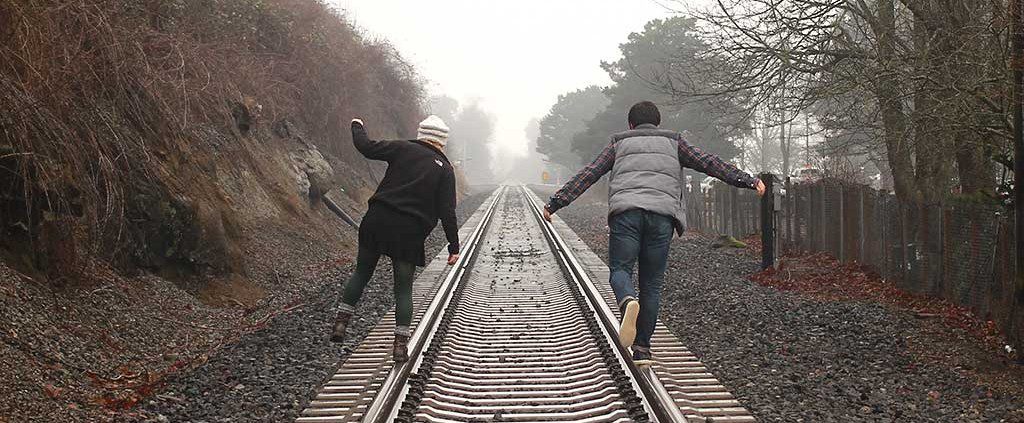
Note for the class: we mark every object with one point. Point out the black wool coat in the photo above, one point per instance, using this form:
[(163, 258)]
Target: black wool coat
[(419, 182)]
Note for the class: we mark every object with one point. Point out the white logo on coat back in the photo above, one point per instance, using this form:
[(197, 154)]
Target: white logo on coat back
[(439, 163)]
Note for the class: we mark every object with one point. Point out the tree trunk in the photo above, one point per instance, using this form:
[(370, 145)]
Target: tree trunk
[(932, 141), (763, 139), (1016, 329), (784, 144), (886, 184), (887, 91), (974, 169), (973, 165)]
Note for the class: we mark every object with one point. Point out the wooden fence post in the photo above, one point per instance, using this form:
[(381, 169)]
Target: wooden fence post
[(798, 239), (823, 221), (863, 235), (723, 222), (809, 239), (697, 198), (734, 212), (768, 222), (788, 212), (842, 224)]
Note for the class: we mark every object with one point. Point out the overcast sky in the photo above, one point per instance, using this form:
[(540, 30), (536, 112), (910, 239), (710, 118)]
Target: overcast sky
[(515, 57)]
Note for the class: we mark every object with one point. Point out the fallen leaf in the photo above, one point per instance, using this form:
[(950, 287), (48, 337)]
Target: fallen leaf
[(52, 391)]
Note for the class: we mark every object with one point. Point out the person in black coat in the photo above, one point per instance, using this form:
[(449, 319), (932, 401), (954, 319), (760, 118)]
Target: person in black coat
[(417, 190)]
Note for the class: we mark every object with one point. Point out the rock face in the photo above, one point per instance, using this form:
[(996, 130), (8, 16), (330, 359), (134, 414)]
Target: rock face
[(314, 176), (246, 114), (183, 236), (61, 251), (214, 248)]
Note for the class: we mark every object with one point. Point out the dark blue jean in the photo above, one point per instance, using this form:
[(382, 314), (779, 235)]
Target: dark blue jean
[(639, 235)]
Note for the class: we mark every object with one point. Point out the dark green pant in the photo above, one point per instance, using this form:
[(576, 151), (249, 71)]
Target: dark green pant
[(366, 263)]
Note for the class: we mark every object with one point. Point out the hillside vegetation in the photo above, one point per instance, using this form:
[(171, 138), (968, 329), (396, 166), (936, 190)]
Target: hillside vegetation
[(160, 168), (119, 116)]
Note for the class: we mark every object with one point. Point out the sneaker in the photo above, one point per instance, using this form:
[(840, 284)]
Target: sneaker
[(642, 357), (401, 349), (627, 330), (340, 325)]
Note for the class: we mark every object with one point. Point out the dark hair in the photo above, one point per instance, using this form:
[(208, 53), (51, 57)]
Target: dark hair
[(644, 112)]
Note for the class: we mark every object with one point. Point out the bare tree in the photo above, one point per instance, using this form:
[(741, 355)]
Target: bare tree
[(935, 72)]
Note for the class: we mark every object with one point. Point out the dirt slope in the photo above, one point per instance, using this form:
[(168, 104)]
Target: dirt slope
[(161, 172)]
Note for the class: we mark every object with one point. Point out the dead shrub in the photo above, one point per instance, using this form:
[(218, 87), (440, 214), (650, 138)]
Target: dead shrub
[(108, 106)]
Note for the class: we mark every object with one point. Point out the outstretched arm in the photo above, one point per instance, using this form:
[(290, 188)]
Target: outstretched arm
[(583, 180), (710, 164), (376, 150), (446, 207)]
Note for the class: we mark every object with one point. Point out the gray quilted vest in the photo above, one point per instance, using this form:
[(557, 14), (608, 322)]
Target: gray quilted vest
[(646, 174)]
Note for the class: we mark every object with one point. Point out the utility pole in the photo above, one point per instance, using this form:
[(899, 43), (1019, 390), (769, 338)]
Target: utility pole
[(1017, 31)]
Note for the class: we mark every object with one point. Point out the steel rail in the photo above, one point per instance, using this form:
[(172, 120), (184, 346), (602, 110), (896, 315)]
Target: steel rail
[(656, 398), (385, 404), (518, 330)]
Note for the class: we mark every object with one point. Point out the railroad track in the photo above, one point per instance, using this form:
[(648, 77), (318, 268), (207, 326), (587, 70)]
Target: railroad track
[(517, 330)]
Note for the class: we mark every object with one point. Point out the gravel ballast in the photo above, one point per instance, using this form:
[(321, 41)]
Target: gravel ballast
[(271, 374), (792, 358)]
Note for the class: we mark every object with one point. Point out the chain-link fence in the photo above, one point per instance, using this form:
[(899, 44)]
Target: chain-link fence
[(961, 250)]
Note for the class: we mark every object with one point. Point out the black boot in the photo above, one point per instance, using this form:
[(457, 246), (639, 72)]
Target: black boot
[(340, 325), (401, 350)]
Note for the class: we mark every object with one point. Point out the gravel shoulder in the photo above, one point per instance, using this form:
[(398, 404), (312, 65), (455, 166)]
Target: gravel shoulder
[(91, 352), (271, 374), (790, 357)]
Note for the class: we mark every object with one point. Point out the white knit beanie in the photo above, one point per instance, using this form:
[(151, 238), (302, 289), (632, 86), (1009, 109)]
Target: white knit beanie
[(433, 129)]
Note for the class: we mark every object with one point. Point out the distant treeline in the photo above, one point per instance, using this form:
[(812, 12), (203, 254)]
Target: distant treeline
[(916, 91), (580, 123)]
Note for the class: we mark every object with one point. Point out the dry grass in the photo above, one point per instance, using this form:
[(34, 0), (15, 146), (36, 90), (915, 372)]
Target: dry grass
[(108, 106)]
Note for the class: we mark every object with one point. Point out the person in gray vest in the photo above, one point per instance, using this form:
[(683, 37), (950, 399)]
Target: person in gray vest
[(645, 206)]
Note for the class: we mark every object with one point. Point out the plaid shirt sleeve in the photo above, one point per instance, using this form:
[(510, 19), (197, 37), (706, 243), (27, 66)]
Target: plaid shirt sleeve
[(584, 179), (710, 164)]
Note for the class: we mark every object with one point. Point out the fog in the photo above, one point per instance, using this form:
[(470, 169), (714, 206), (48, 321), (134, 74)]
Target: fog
[(511, 58)]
